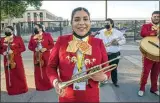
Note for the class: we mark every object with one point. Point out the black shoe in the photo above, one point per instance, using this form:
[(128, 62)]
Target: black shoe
[(116, 85), (156, 92)]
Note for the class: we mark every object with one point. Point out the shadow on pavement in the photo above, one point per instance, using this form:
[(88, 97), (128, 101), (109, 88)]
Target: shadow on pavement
[(128, 88), (17, 98)]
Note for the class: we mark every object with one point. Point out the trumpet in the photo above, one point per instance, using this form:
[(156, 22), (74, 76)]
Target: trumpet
[(91, 71), (109, 44)]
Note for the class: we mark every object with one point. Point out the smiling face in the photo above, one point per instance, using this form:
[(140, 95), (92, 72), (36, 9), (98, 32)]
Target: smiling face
[(155, 18), (81, 23)]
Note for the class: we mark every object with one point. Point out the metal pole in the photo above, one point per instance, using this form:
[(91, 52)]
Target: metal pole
[(18, 29), (106, 9), (60, 28), (135, 28)]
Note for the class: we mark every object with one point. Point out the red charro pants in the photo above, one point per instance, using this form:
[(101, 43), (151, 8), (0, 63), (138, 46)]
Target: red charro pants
[(154, 67)]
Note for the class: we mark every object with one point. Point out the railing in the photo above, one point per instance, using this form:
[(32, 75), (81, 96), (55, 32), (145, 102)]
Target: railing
[(130, 28)]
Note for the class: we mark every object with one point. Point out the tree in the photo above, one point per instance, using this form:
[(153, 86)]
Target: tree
[(16, 8)]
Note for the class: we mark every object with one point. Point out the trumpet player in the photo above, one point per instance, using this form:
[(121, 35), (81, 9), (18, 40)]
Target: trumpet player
[(112, 38), (11, 48), (41, 43), (150, 29), (75, 53)]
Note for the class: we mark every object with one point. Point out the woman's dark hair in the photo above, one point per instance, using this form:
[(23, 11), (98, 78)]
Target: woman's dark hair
[(10, 27), (79, 9), (40, 26), (111, 21)]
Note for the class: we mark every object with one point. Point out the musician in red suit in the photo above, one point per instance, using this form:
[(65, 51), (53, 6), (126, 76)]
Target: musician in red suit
[(13, 46), (151, 29), (74, 53), (41, 43)]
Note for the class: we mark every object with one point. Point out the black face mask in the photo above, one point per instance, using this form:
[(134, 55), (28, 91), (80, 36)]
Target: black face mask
[(8, 33), (81, 37), (107, 26), (36, 31)]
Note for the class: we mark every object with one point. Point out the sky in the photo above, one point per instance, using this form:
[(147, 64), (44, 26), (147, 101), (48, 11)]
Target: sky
[(97, 9), (132, 9), (64, 8)]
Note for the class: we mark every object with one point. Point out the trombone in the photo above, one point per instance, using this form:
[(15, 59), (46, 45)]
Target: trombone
[(92, 71), (110, 43)]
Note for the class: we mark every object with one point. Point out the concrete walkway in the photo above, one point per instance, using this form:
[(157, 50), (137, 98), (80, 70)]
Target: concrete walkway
[(129, 72)]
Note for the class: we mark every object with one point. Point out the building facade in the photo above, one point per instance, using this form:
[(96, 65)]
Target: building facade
[(33, 16)]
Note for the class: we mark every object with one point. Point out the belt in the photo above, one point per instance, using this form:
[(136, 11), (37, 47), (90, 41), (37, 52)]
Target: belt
[(110, 53)]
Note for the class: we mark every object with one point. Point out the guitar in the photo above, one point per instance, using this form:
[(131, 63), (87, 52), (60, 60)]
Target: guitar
[(150, 48)]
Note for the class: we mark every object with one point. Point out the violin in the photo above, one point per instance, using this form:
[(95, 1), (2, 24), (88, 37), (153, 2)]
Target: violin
[(38, 59), (38, 54), (38, 37), (10, 57)]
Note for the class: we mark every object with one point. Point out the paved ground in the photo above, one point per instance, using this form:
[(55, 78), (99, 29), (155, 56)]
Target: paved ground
[(129, 71)]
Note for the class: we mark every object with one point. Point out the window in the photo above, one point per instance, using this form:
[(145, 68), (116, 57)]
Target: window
[(28, 15), (41, 15), (35, 15)]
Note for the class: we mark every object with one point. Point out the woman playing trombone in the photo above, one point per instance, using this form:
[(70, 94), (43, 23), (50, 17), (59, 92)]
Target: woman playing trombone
[(74, 53)]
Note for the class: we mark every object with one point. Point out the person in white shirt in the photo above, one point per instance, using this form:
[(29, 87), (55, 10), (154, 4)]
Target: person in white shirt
[(113, 39)]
